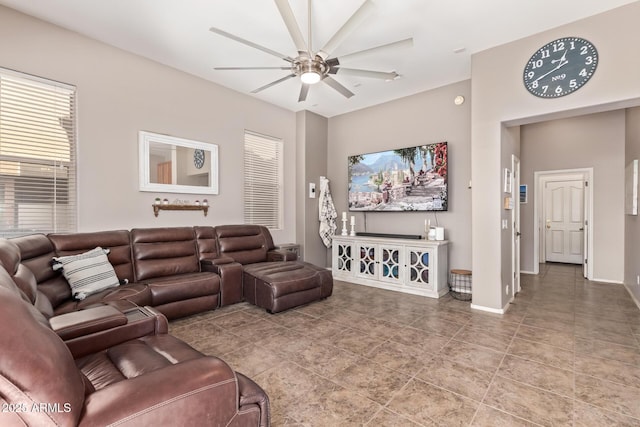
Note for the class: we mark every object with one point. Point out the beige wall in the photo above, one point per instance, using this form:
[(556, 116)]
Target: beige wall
[(311, 165), (589, 141), (499, 97), (419, 119), (632, 222), (120, 94)]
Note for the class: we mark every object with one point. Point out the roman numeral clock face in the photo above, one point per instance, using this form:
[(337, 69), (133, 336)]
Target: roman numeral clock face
[(560, 67)]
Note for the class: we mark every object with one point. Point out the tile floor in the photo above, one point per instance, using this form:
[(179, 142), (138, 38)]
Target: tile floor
[(566, 353)]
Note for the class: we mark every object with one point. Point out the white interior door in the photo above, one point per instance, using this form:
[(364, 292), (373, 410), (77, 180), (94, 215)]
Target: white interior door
[(515, 221), (564, 221)]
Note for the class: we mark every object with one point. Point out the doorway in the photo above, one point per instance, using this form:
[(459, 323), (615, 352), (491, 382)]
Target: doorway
[(563, 218)]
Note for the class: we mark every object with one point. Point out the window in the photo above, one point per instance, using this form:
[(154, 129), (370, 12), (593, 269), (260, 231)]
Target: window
[(262, 180), (37, 155)]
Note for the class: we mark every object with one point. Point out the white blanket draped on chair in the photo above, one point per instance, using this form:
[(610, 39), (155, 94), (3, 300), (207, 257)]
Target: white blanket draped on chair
[(326, 213)]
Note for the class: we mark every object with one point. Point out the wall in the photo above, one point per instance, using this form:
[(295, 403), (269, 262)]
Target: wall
[(311, 131), (510, 146), (499, 98), (594, 140), (631, 222), (120, 94), (419, 119)]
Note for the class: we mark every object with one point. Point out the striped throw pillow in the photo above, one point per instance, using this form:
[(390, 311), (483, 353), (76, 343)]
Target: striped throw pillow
[(87, 273)]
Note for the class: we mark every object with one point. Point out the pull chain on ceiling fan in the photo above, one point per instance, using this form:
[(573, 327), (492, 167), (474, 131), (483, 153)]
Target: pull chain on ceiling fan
[(319, 67)]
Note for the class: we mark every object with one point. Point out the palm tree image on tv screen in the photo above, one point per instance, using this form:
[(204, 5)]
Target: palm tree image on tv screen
[(406, 179)]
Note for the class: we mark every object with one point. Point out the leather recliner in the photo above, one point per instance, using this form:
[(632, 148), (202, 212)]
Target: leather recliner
[(152, 379)]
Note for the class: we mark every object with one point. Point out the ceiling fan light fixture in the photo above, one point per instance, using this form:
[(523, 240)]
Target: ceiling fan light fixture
[(310, 73), (310, 77)]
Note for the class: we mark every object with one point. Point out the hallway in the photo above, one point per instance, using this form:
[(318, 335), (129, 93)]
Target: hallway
[(588, 333)]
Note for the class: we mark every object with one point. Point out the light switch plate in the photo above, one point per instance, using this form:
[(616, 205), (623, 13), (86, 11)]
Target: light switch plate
[(312, 190)]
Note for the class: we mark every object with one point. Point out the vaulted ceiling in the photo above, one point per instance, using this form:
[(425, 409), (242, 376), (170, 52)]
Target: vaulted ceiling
[(445, 35)]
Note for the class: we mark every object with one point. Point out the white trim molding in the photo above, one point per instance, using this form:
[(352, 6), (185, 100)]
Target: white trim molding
[(613, 282), (489, 309)]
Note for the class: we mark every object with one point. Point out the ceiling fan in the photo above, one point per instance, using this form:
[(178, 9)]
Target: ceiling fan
[(319, 66)]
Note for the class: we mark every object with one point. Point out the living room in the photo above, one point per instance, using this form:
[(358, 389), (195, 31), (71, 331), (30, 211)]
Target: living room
[(120, 93), (134, 91)]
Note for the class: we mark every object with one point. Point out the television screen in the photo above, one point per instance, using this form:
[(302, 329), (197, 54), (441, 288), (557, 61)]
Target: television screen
[(406, 179)]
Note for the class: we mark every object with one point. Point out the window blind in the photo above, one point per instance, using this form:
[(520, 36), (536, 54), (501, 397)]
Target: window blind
[(263, 180), (37, 155)]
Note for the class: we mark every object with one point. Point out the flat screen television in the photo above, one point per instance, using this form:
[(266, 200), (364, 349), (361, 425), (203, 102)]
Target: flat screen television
[(406, 179)]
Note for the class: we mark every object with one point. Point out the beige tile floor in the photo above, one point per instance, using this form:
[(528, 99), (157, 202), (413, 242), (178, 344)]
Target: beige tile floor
[(566, 353)]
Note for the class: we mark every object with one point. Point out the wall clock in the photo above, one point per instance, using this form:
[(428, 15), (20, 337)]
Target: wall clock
[(560, 67), (198, 158)]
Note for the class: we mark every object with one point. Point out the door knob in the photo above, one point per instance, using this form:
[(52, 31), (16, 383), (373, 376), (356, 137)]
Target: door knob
[(548, 223), (581, 229)]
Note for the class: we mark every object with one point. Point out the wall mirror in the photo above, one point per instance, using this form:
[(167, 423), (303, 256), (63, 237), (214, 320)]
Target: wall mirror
[(176, 165)]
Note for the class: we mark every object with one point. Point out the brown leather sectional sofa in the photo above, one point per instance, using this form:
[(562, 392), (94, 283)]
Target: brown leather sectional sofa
[(179, 270), (109, 356)]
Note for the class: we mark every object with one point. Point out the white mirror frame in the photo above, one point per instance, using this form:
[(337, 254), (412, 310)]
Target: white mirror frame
[(145, 138)]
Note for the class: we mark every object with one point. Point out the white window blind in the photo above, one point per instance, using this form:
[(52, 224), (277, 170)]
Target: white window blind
[(263, 180), (37, 155)]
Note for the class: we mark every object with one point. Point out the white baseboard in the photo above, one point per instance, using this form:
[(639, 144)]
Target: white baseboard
[(488, 309), (614, 282)]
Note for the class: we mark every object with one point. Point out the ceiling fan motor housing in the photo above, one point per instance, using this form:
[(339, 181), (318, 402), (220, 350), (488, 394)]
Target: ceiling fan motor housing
[(304, 65)]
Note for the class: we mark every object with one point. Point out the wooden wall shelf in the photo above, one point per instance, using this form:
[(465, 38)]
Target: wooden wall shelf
[(158, 208)]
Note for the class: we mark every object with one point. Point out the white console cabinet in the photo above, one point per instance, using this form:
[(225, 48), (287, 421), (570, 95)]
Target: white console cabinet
[(406, 265)]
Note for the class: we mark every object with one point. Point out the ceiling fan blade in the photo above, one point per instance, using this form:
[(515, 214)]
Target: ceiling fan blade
[(365, 73), (267, 86), (344, 31), (292, 25), (337, 86), (304, 90), (251, 68), (251, 44), (400, 44)]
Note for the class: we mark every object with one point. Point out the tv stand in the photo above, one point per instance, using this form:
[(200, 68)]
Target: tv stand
[(414, 266), (389, 235)]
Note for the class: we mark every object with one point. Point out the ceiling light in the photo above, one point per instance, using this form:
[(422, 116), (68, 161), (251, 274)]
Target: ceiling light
[(310, 72), (310, 77)]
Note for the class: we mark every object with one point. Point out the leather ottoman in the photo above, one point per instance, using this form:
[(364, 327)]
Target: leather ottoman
[(279, 286)]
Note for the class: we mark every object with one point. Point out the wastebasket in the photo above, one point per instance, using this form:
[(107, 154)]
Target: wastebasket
[(460, 284)]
